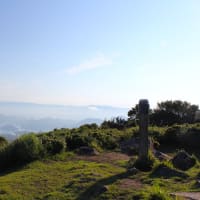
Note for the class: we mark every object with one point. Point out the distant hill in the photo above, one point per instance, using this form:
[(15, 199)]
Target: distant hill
[(17, 118), (31, 110)]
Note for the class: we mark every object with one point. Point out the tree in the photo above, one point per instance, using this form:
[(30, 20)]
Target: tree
[(3, 142), (132, 116), (118, 123), (171, 112)]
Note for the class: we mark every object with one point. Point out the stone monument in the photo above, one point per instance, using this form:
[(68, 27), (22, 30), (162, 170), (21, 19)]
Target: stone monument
[(143, 129)]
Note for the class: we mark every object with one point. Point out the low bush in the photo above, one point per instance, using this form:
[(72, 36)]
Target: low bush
[(106, 140), (158, 194), (170, 136), (77, 140), (143, 164), (3, 142), (191, 138), (182, 136), (52, 146), (166, 170), (24, 149)]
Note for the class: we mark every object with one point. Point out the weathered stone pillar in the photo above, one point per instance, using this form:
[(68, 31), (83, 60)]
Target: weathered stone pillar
[(143, 128)]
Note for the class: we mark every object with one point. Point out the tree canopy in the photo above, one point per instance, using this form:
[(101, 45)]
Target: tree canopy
[(169, 112)]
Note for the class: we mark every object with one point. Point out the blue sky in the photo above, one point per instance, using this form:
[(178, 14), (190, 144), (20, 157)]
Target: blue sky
[(99, 52)]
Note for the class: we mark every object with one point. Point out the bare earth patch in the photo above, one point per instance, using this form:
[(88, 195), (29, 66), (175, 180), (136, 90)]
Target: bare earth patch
[(188, 195), (128, 183), (109, 157)]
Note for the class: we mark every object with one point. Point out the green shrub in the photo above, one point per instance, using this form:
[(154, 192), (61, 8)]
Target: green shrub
[(166, 170), (158, 194), (106, 140), (143, 164), (52, 146), (77, 140), (191, 138), (89, 126), (3, 142), (171, 136), (25, 149)]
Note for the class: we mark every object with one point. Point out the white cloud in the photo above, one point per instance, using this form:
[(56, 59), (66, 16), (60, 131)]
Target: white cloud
[(98, 61), (93, 108)]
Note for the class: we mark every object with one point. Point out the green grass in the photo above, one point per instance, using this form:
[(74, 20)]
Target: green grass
[(65, 177), (50, 179)]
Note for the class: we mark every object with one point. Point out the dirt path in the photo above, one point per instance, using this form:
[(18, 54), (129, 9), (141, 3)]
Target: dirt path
[(114, 157), (130, 183), (188, 195), (109, 157)]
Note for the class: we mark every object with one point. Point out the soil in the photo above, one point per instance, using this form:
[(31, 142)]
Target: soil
[(109, 157), (128, 183), (188, 195)]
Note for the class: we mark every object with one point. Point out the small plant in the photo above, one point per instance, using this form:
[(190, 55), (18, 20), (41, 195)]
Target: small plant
[(158, 194), (3, 142), (52, 146), (166, 170), (144, 164)]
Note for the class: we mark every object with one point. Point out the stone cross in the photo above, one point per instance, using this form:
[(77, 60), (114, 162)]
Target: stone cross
[(143, 128)]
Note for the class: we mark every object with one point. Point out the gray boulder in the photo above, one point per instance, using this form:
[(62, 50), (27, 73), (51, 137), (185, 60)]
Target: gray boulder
[(183, 161)]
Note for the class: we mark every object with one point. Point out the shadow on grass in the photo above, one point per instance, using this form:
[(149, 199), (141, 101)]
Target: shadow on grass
[(17, 167), (166, 172), (99, 187), (172, 149)]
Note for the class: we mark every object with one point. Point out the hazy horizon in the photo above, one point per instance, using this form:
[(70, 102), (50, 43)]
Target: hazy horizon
[(99, 52)]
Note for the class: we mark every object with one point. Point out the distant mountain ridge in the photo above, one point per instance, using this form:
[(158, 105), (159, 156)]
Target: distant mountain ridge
[(32, 110), (17, 118)]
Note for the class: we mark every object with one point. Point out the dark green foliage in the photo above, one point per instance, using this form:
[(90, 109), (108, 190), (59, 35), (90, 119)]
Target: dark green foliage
[(166, 170), (3, 142), (190, 139), (25, 149), (159, 195), (31, 147), (77, 140), (143, 164), (132, 113), (171, 135), (156, 193), (106, 140), (52, 146), (173, 112), (181, 136), (132, 116), (89, 126), (118, 123), (167, 113), (163, 118)]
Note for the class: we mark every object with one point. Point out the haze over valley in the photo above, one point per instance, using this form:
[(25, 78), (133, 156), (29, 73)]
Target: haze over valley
[(17, 118)]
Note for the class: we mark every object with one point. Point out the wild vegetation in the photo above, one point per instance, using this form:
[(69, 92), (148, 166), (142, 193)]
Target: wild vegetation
[(50, 165)]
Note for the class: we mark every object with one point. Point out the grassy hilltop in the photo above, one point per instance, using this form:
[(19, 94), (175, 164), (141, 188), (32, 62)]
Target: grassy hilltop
[(50, 165)]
